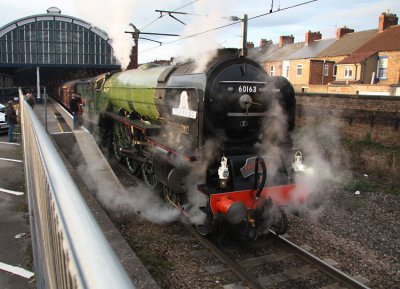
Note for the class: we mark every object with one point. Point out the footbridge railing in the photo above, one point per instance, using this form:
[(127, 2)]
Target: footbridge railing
[(69, 249)]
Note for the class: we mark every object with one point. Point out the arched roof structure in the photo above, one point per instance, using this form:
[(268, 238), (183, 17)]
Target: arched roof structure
[(55, 40)]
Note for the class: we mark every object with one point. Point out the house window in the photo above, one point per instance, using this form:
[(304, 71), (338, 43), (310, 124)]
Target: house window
[(299, 70), (334, 70), (381, 72), (348, 72), (272, 70), (326, 70)]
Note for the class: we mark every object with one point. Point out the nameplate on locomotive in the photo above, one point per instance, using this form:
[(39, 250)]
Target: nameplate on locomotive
[(250, 166), (184, 112), (184, 109)]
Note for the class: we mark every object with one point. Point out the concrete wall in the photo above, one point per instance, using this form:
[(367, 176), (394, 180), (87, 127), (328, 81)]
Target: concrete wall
[(360, 117)]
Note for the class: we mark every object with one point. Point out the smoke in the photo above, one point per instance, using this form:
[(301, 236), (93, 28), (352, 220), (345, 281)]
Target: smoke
[(274, 135), (319, 144), (113, 17), (325, 164), (203, 47), (196, 176), (137, 199)]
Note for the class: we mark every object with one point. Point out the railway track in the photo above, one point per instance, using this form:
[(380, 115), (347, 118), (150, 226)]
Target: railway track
[(275, 262), (270, 262)]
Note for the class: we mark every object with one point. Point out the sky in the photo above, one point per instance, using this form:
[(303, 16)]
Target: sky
[(288, 17)]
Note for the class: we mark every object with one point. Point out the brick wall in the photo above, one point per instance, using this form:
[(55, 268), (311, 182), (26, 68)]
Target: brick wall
[(393, 71), (359, 117)]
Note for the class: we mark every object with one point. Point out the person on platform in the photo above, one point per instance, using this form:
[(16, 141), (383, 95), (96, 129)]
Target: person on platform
[(11, 117), (74, 108), (81, 103), (29, 99)]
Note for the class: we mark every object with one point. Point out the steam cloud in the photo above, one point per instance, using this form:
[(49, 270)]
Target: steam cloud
[(138, 199), (325, 163), (203, 48), (319, 143), (114, 18)]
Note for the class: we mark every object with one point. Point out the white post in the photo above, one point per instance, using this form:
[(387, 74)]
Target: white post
[(45, 107), (38, 84)]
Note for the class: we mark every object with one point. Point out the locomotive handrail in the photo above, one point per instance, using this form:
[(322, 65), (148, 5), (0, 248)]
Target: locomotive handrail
[(69, 249), (264, 176)]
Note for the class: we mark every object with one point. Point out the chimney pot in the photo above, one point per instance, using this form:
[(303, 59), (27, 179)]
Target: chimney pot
[(340, 32), (387, 19), (285, 39), (312, 36)]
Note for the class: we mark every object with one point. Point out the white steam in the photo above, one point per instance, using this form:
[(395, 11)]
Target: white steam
[(114, 18), (111, 194), (325, 164), (319, 143), (203, 47), (197, 199)]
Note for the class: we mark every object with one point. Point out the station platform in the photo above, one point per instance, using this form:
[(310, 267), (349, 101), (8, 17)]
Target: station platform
[(15, 243), (81, 154)]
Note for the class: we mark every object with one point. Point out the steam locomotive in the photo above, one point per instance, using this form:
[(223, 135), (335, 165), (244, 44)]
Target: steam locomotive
[(216, 143)]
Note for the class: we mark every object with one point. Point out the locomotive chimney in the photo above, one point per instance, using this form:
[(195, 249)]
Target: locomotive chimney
[(340, 32), (133, 63), (387, 19), (250, 45), (312, 36), (283, 40)]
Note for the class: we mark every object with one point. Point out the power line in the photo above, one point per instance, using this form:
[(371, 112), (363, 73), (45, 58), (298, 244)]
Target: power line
[(230, 24), (186, 5), (162, 15)]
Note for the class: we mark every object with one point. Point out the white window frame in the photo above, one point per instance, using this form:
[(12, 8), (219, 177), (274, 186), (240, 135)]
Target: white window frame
[(382, 67), (299, 68), (326, 69), (271, 70), (348, 71), (334, 72)]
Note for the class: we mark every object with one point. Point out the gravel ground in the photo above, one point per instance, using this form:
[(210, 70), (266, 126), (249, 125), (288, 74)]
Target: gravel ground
[(358, 231), (357, 227)]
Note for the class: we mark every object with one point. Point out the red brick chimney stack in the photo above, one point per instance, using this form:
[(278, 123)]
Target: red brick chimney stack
[(264, 42), (250, 45), (387, 19), (283, 40), (312, 36), (340, 32)]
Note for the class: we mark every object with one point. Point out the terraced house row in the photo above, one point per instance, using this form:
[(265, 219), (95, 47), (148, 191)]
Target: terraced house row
[(365, 62)]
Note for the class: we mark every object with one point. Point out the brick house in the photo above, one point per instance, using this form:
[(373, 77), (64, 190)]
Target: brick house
[(378, 60), (273, 56), (295, 60), (304, 68), (347, 41), (346, 64)]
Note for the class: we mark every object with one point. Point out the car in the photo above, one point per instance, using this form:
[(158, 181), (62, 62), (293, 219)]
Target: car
[(3, 123)]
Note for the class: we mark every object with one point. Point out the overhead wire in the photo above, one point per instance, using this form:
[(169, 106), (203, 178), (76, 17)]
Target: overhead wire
[(227, 25), (162, 15)]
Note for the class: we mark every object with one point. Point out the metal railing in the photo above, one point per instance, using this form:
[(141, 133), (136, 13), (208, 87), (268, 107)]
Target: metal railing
[(69, 249)]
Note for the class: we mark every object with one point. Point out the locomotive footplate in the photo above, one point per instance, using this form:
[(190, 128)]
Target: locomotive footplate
[(147, 128)]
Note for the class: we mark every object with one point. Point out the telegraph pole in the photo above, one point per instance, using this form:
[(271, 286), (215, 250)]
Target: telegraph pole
[(243, 52)]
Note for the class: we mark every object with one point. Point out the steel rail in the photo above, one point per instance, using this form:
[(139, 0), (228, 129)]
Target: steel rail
[(323, 266), (233, 266)]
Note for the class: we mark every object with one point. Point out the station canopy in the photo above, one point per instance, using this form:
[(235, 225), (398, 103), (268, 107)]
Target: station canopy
[(63, 47)]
